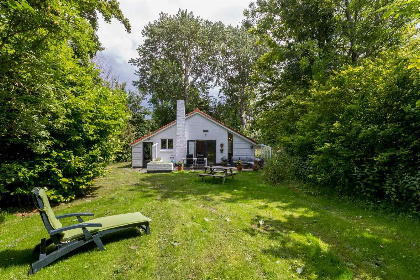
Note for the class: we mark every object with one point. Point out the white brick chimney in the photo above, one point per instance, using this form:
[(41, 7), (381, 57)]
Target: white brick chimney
[(181, 140)]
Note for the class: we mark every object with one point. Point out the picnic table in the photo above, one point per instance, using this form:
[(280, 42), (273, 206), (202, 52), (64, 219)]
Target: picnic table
[(218, 172)]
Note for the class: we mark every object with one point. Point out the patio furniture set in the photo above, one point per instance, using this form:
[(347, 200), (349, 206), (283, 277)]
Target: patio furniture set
[(218, 172)]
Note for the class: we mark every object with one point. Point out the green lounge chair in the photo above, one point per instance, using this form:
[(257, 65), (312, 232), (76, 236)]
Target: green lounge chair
[(72, 237)]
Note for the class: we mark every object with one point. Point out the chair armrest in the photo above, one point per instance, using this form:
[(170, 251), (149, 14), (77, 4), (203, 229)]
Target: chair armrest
[(81, 225), (73, 215)]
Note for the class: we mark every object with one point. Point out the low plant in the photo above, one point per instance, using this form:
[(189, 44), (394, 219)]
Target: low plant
[(255, 166), (224, 161), (282, 167)]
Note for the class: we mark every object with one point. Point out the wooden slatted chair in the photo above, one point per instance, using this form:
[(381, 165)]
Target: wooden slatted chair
[(71, 237)]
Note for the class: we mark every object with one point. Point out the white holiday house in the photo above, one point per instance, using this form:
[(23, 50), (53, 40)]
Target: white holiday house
[(195, 133)]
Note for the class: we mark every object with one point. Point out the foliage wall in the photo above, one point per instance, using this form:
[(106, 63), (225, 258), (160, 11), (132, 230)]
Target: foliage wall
[(361, 132), (340, 96), (60, 123), (177, 61)]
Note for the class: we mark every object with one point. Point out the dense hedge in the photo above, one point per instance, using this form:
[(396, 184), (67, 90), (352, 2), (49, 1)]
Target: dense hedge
[(360, 134)]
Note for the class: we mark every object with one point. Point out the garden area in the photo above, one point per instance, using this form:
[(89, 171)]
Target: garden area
[(244, 229)]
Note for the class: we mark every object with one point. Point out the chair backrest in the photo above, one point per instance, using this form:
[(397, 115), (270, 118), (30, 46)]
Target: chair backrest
[(47, 214), (190, 158), (200, 159)]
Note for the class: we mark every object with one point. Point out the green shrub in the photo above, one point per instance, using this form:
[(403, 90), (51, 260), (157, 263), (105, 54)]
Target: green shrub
[(281, 167), (361, 133), (76, 153)]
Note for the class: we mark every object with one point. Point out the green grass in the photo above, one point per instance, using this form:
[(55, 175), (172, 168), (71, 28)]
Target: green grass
[(244, 229)]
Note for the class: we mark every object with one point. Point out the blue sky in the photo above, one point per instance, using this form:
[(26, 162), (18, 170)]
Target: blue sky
[(121, 46)]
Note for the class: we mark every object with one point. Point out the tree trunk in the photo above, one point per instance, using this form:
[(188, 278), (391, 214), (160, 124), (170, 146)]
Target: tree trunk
[(186, 79), (351, 32), (242, 112)]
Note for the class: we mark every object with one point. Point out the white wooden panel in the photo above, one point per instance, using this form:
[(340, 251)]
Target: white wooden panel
[(243, 152), (242, 147), (137, 149), (136, 163), (137, 155)]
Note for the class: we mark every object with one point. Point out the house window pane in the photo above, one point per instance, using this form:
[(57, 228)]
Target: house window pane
[(170, 143), (163, 144), (191, 147)]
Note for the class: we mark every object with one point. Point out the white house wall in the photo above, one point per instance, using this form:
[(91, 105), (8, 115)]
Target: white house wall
[(169, 133), (194, 131), (164, 154)]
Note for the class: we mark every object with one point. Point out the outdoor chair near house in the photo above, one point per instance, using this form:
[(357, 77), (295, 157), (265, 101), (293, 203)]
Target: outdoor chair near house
[(69, 238), (189, 160), (200, 160)]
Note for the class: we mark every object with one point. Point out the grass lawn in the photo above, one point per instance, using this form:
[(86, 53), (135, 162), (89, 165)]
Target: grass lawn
[(244, 229)]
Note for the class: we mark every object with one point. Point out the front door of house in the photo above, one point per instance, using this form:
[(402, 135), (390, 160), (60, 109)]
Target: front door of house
[(147, 153), (206, 148)]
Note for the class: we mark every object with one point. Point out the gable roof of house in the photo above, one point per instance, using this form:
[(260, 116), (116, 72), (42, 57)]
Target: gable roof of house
[(195, 112)]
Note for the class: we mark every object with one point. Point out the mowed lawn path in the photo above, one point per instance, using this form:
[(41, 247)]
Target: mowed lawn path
[(245, 229)]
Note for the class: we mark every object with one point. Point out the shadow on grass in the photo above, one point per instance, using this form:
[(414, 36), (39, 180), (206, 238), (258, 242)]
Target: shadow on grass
[(16, 257), (307, 253), (25, 257), (128, 165)]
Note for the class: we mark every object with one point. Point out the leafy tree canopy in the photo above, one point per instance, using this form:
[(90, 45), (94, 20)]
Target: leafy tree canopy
[(178, 60), (308, 41), (239, 54)]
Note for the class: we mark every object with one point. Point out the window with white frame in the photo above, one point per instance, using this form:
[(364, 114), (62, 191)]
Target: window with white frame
[(166, 144)]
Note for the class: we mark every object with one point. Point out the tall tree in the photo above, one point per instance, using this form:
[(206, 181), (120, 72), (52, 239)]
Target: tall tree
[(308, 41), (406, 8), (240, 52), (178, 60)]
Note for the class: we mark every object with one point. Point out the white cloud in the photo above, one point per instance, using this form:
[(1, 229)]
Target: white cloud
[(121, 46)]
